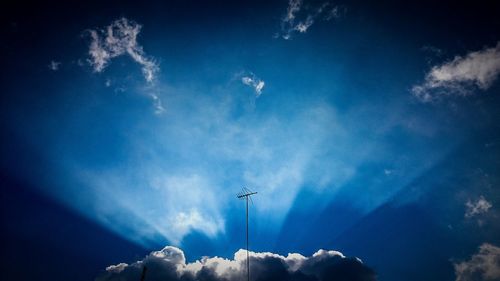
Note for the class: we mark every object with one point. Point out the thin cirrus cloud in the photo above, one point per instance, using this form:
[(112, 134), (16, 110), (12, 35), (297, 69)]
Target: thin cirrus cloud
[(483, 265), (299, 18), (170, 264), (459, 77), (118, 39), (255, 82)]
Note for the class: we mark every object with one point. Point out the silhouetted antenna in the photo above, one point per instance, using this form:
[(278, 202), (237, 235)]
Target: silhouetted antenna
[(143, 274), (246, 194)]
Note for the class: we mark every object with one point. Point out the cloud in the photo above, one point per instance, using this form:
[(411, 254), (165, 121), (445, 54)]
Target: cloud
[(388, 172), (292, 22), (477, 207), (184, 222), (158, 105), (460, 76), (485, 265), (255, 82), (117, 39), (293, 7), (54, 65), (170, 264)]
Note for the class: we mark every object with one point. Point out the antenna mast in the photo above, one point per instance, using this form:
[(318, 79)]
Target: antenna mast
[(245, 194)]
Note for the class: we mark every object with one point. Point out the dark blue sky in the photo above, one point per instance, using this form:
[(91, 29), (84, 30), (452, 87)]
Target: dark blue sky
[(367, 128)]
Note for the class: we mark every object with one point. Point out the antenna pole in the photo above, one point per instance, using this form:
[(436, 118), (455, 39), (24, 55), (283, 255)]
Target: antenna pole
[(246, 195), (248, 260)]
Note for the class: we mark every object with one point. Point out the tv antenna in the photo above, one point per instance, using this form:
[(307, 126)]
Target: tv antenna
[(246, 194)]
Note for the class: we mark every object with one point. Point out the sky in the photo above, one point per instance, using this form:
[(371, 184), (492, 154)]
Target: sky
[(369, 130)]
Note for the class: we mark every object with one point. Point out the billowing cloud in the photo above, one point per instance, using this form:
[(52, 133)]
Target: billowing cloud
[(480, 206), (485, 265), (54, 65), (170, 264), (295, 21), (459, 77), (255, 82), (117, 39)]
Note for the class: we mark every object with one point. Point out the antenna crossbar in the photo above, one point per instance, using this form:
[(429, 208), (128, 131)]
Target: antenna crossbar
[(246, 194)]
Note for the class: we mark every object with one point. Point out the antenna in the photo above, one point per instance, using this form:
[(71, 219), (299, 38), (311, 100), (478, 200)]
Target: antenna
[(246, 194)]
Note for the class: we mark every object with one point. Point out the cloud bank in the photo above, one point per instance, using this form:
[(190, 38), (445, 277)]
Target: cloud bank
[(478, 69), (485, 265), (170, 264), (299, 18)]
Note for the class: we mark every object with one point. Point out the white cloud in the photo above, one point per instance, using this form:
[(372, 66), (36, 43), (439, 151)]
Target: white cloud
[(478, 207), (158, 105), (293, 22), (255, 82), (119, 38), (170, 264), (184, 222), (54, 65), (293, 7), (302, 27), (485, 265), (458, 77), (116, 268)]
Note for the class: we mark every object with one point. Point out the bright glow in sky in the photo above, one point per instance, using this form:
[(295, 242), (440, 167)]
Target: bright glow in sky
[(167, 169)]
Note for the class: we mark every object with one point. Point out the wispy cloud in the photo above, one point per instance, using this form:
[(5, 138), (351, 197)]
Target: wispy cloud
[(299, 18), (388, 172), (158, 105), (478, 207), (54, 65), (460, 77), (255, 82), (482, 266), (117, 39)]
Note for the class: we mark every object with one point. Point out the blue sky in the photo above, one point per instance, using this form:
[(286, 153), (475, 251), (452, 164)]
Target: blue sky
[(333, 112)]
